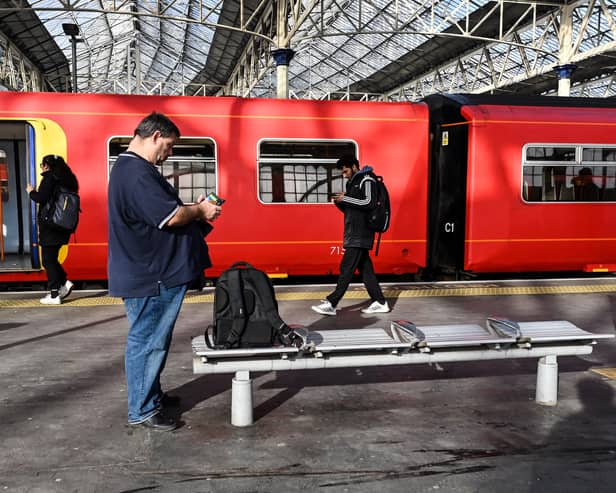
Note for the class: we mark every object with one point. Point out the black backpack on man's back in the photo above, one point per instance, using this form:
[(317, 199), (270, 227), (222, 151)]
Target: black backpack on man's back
[(246, 312), (380, 216)]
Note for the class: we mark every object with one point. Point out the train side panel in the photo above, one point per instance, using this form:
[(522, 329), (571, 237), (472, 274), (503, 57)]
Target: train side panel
[(299, 239), (507, 233)]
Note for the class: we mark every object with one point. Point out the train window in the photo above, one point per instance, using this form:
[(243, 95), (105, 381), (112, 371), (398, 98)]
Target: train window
[(191, 169), (550, 154), (590, 177), (605, 155), (300, 171)]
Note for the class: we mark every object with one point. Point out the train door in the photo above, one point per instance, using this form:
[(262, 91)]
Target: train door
[(16, 212), (447, 208), (22, 146), (447, 188)]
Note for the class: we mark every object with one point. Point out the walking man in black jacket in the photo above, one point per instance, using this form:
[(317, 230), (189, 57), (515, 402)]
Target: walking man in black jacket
[(360, 197)]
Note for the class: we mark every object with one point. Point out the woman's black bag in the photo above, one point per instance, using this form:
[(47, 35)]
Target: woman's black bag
[(62, 211), (246, 312)]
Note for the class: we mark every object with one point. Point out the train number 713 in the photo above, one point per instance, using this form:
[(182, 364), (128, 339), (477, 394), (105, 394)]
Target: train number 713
[(336, 250)]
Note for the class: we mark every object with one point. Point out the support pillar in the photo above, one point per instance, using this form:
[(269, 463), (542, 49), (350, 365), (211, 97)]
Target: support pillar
[(241, 399), (547, 381), (282, 57), (564, 78), (566, 50)]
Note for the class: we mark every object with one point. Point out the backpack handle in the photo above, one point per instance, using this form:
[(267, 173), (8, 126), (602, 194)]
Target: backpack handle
[(241, 263)]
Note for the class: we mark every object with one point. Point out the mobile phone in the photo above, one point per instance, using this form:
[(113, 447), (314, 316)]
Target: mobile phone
[(215, 199)]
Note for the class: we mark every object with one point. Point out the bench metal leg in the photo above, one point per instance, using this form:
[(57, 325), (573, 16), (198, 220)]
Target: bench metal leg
[(241, 399), (547, 381)]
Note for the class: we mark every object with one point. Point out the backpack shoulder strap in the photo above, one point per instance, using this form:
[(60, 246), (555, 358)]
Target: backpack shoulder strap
[(378, 244), (238, 308), (262, 286), (284, 333)]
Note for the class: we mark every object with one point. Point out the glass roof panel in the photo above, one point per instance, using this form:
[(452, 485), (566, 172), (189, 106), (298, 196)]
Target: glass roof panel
[(164, 43)]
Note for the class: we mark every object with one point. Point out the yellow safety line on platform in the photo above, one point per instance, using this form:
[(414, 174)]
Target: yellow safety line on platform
[(420, 291), (606, 372)]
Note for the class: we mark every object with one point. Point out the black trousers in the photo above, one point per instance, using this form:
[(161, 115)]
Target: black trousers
[(352, 260), (56, 275)]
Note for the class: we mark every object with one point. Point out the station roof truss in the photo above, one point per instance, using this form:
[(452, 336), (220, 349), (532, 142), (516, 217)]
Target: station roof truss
[(343, 49)]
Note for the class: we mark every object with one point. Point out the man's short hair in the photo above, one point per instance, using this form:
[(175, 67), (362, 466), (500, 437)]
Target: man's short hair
[(157, 122), (347, 161)]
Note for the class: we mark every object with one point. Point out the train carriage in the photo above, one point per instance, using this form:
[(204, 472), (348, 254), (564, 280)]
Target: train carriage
[(522, 184), (272, 160)]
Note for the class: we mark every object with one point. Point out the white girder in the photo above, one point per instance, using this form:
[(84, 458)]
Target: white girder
[(16, 71), (599, 87), (146, 46), (519, 61)]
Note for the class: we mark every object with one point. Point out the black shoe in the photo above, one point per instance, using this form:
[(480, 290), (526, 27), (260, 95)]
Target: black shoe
[(170, 400), (159, 423)]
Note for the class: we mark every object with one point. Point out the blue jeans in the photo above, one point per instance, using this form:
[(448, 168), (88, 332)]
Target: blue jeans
[(151, 321)]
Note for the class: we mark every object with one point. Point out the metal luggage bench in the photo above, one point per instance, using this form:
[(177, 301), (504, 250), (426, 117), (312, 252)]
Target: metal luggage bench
[(402, 343)]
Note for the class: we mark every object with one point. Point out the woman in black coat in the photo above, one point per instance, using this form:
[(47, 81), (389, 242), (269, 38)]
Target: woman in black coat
[(55, 173)]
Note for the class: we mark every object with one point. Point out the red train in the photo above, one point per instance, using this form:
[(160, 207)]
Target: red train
[(480, 184)]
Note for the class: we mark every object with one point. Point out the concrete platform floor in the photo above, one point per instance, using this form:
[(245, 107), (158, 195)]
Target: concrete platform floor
[(463, 427)]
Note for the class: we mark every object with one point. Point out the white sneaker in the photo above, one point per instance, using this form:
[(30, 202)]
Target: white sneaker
[(66, 289), (376, 307), (325, 308), (48, 300)]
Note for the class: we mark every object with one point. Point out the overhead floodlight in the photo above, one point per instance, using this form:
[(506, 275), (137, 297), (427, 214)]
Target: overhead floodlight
[(70, 29)]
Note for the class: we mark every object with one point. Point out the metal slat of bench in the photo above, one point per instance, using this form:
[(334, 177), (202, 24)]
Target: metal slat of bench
[(555, 331), (461, 335), (327, 341), (200, 348)]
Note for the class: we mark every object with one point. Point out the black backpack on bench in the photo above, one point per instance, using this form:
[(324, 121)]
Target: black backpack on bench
[(246, 312)]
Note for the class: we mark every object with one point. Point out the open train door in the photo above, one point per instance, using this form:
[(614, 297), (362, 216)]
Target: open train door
[(17, 215), (21, 148)]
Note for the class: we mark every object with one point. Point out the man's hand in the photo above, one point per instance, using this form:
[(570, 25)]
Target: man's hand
[(202, 210), (208, 210), (338, 197)]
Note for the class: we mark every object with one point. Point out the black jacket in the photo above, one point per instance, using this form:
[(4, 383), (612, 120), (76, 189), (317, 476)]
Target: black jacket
[(47, 235), (360, 197)]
